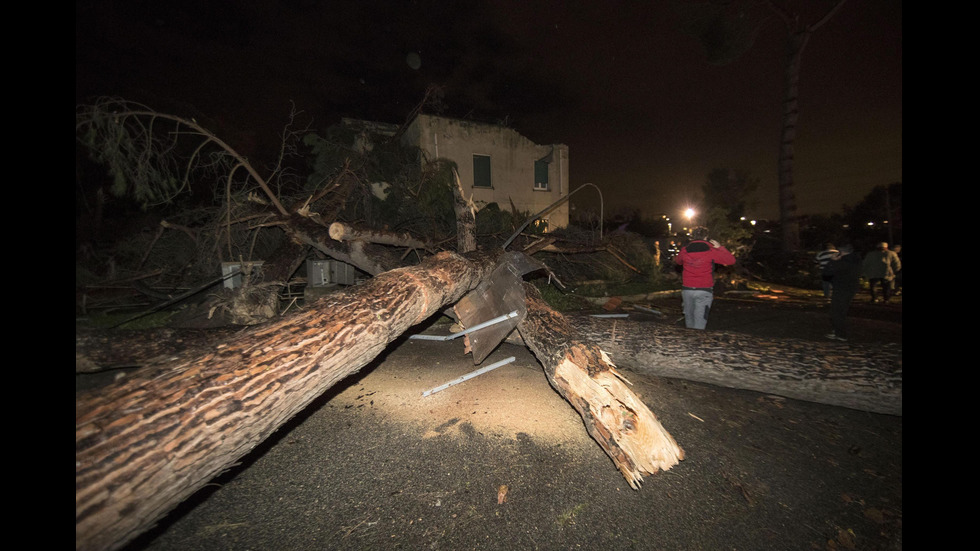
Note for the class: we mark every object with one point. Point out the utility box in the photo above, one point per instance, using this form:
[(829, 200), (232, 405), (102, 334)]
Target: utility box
[(321, 273), (232, 272)]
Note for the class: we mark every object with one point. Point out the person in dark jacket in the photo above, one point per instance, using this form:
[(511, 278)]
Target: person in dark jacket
[(845, 273), (822, 259), (698, 259)]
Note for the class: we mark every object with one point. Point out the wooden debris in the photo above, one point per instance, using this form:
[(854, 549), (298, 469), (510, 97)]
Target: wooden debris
[(625, 428)]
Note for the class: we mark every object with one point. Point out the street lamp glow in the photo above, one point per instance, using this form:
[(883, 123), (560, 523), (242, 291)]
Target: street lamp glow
[(689, 213)]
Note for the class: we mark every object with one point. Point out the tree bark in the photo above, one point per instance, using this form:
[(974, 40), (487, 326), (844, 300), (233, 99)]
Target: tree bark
[(614, 416), (148, 441), (103, 350), (465, 211), (866, 378)]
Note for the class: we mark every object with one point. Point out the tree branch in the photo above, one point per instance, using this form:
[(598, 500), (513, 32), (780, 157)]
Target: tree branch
[(104, 110), (345, 232)]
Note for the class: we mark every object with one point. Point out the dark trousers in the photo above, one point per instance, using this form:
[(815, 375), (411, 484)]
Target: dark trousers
[(840, 302), (886, 288)]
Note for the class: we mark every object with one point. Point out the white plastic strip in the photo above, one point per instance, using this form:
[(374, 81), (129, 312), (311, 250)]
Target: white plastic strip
[(487, 323), (470, 375), (610, 315)]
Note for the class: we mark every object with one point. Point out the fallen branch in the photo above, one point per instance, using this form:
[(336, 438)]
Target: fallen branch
[(622, 258), (308, 229), (345, 232)]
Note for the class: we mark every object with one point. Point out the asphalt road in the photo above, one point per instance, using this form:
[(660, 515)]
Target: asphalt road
[(373, 465)]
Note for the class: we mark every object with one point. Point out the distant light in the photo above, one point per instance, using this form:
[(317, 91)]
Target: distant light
[(752, 222), (871, 223), (689, 213)]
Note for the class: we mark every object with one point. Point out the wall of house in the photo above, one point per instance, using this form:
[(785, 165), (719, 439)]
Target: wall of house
[(512, 158), (367, 132)]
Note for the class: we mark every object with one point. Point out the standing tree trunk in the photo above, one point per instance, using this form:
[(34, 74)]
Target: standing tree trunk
[(726, 33), (148, 441), (798, 36), (791, 113)]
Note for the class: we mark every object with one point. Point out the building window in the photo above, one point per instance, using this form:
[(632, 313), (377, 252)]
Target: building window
[(481, 171), (541, 175)]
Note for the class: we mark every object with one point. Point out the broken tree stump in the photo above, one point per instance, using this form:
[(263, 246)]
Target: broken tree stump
[(625, 428), (148, 441), (465, 216), (862, 377)]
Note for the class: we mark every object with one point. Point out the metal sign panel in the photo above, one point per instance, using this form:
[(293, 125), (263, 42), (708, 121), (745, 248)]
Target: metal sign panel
[(498, 295)]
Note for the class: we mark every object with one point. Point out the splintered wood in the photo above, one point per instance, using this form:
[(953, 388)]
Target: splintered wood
[(622, 424), (625, 428)]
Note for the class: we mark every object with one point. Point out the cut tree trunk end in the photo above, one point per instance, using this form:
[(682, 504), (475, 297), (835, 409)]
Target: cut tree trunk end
[(625, 428)]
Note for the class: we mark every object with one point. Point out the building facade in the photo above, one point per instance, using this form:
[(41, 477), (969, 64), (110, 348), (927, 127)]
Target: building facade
[(495, 163)]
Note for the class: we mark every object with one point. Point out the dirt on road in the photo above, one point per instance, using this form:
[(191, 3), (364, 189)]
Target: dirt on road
[(501, 461)]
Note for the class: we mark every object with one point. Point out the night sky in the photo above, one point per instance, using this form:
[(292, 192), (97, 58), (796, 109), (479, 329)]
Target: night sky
[(645, 116)]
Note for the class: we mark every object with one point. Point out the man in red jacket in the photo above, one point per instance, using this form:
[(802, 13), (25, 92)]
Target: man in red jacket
[(698, 259)]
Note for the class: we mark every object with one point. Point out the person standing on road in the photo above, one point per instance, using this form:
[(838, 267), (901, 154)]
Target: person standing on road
[(897, 284), (698, 259), (845, 272), (880, 267), (822, 259)]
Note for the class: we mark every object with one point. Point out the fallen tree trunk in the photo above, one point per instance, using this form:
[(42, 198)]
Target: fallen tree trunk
[(866, 378), (148, 441), (103, 350), (615, 417)]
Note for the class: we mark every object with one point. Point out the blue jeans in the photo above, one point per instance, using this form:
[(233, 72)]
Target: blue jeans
[(696, 303)]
